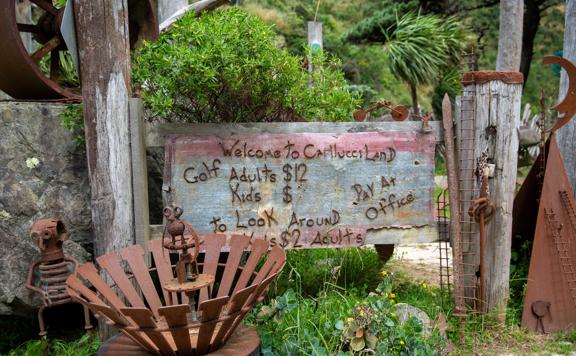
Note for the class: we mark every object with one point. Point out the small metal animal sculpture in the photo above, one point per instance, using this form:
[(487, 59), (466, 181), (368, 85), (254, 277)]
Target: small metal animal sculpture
[(186, 268), (48, 275)]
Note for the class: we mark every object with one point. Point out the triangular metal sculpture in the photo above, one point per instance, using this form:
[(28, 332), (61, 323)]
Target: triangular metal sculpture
[(550, 301)]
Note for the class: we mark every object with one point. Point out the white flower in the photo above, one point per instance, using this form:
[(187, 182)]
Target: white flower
[(4, 215), (32, 162)]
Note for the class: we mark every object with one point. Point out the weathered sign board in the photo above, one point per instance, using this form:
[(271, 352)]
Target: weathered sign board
[(306, 186)]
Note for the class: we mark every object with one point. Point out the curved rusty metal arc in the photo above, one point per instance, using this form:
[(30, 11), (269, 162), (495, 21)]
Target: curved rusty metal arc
[(568, 104)]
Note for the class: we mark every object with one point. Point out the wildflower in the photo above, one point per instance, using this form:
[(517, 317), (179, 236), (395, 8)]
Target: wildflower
[(384, 273), (32, 162), (424, 285), (349, 320), (401, 342), (392, 295), (362, 313), (392, 302)]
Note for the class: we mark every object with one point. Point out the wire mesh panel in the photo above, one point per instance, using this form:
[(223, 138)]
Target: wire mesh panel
[(444, 250)]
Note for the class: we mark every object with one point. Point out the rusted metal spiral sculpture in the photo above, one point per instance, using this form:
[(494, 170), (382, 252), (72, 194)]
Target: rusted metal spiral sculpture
[(155, 320), (47, 276)]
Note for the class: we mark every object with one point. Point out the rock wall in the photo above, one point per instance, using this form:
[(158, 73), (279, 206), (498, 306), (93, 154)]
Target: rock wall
[(43, 174)]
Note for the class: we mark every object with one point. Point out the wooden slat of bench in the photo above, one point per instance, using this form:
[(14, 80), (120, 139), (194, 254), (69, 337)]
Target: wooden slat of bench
[(238, 244), (134, 255), (111, 263), (144, 319), (175, 316), (209, 310)]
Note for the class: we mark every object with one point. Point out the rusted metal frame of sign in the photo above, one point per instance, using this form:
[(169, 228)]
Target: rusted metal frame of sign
[(207, 157)]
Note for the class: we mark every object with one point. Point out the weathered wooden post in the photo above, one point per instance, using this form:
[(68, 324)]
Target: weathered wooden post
[(567, 134), (488, 147), (315, 43), (102, 31)]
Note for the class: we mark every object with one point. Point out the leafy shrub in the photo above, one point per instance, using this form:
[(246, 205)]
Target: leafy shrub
[(225, 67), (339, 321)]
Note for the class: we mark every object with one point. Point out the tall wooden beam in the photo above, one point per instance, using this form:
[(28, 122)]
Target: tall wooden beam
[(490, 119), (510, 35), (102, 35), (567, 134)]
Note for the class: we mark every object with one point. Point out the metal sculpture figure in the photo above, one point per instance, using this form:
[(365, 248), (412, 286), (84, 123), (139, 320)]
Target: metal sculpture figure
[(48, 275), (546, 209)]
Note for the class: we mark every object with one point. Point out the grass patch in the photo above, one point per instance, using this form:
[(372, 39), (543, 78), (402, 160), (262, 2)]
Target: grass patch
[(86, 345)]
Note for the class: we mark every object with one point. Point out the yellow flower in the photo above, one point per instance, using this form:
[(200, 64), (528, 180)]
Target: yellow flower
[(362, 313), (384, 273), (392, 301), (401, 342), (349, 320), (424, 285), (392, 295)]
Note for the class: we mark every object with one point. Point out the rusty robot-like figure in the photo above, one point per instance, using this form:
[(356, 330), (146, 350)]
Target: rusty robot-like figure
[(48, 275)]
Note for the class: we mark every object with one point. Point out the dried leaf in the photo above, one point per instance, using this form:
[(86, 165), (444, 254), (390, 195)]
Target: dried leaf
[(357, 344)]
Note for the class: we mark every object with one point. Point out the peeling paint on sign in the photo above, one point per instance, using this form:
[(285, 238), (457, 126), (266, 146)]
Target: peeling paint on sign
[(306, 190)]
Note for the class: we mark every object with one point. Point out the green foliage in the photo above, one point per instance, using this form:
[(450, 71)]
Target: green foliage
[(449, 84), (68, 76), (421, 47), (341, 322), (87, 345), (225, 67), (307, 270), (374, 28), (71, 118)]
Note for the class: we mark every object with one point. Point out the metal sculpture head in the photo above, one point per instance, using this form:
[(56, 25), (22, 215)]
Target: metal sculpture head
[(50, 235), (567, 105)]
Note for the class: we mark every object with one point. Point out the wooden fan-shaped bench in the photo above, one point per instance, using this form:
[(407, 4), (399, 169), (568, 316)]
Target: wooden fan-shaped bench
[(134, 300)]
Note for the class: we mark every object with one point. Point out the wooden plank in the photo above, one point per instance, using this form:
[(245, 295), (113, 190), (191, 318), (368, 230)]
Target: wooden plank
[(156, 133), (89, 272), (176, 317), (238, 244), (306, 190), (258, 248), (144, 319), (134, 255), (163, 266), (210, 311), (139, 173), (111, 263), (212, 245), (251, 301), (274, 261), (235, 306)]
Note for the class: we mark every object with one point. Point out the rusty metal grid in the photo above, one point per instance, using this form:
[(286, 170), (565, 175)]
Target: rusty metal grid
[(444, 250)]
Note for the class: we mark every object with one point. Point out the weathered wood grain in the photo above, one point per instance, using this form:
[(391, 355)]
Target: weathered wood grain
[(567, 134), (102, 30), (497, 121), (299, 188)]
